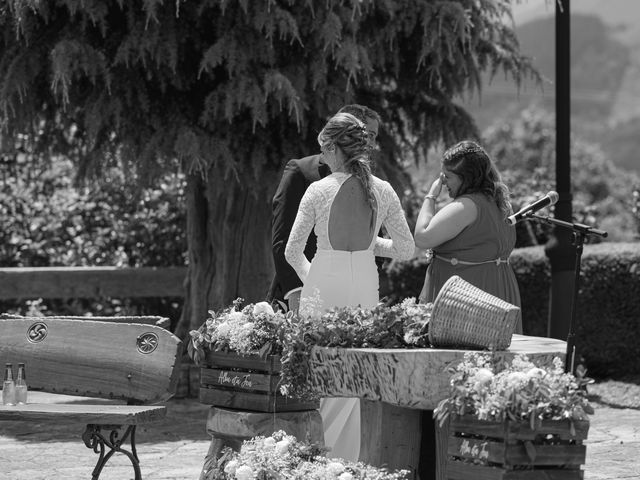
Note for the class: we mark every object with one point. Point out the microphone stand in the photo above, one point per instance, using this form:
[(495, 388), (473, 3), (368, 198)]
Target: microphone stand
[(580, 231)]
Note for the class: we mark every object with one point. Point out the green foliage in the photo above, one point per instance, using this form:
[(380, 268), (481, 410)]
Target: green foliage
[(524, 150), (46, 220), (405, 279), (229, 90), (258, 329), (284, 456), (607, 328), (493, 390), (533, 272), (150, 82)]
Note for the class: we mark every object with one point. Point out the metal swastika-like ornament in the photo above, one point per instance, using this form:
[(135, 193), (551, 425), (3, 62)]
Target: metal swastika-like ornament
[(147, 342), (37, 332)]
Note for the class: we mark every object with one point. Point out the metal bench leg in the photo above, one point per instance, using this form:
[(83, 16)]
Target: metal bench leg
[(94, 439)]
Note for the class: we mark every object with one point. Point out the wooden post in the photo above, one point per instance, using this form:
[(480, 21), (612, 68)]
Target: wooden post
[(390, 435), (229, 428)]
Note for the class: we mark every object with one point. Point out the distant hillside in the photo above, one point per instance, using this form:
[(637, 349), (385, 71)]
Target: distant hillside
[(598, 65), (605, 82)]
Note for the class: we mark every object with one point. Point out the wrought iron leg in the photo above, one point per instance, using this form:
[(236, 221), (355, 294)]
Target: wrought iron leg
[(93, 438)]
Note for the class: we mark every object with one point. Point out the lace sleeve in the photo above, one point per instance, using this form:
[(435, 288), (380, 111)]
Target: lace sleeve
[(401, 245), (302, 226)]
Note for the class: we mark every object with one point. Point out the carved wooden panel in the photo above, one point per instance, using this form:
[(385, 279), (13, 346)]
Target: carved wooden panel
[(93, 358)]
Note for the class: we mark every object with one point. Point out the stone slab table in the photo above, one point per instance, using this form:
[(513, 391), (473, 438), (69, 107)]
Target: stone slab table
[(396, 386)]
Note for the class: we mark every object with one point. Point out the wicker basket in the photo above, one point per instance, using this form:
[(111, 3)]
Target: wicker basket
[(465, 316)]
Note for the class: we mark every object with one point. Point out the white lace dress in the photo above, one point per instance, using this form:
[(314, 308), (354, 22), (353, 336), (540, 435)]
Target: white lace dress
[(339, 278)]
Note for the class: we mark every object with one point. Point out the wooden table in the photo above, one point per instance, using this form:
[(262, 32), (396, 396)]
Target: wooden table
[(396, 386)]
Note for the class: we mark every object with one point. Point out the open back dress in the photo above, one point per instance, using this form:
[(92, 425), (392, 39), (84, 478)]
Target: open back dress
[(343, 272)]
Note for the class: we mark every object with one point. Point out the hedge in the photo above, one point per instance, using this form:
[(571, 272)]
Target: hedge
[(607, 324)]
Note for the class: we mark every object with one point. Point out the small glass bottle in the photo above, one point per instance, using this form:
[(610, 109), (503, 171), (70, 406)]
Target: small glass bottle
[(21, 385), (8, 387)]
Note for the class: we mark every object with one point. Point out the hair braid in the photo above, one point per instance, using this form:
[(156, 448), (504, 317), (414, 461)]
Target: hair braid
[(350, 134)]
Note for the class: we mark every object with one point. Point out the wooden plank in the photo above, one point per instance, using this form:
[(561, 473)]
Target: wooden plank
[(144, 319), (94, 359), (414, 378), (257, 402), (474, 449), (270, 364), (511, 455), (81, 413), (239, 424), (520, 430), (464, 471), (442, 439), (546, 455), (471, 425), (243, 381), (91, 282), (390, 435), (545, 474), (560, 428)]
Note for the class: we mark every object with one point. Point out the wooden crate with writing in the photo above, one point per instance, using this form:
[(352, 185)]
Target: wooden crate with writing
[(246, 382), (509, 450)]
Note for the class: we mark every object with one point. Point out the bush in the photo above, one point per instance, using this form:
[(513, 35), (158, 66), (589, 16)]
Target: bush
[(46, 220), (607, 322)]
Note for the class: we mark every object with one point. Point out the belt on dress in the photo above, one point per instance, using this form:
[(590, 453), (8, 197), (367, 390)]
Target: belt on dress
[(455, 261)]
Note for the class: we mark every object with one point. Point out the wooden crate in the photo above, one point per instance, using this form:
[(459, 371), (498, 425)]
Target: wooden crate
[(246, 382), (485, 450)]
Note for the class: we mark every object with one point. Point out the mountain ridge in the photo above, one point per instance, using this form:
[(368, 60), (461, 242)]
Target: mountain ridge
[(605, 77)]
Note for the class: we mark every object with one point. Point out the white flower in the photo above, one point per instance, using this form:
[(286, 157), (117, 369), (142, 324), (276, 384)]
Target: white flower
[(482, 377), (345, 476), (516, 378), (535, 372), (263, 307), (269, 442), (235, 317), (223, 330), (282, 446), (247, 447), (230, 467), (244, 472), (335, 468)]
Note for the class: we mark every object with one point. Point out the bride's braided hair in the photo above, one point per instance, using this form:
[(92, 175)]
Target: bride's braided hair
[(478, 173), (350, 134)]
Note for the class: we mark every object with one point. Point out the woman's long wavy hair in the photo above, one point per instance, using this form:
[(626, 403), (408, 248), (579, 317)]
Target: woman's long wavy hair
[(348, 133), (478, 173)]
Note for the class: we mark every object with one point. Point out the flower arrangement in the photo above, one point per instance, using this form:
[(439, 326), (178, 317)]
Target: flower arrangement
[(404, 325), (258, 328), (255, 328), (281, 456), (489, 389)]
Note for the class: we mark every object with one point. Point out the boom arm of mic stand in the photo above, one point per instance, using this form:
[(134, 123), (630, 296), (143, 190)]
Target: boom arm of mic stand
[(580, 231), (576, 227)]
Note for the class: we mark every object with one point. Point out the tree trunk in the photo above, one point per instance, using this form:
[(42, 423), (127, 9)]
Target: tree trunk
[(229, 235)]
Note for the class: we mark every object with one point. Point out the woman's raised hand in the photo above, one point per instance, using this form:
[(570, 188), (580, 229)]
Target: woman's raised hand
[(436, 187)]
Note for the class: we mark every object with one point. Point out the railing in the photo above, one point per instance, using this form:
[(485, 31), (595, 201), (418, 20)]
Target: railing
[(91, 282)]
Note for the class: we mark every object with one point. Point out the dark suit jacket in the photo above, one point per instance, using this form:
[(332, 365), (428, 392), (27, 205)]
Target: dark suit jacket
[(298, 175)]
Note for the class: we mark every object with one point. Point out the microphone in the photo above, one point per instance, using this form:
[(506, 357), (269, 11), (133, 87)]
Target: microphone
[(549, 199)]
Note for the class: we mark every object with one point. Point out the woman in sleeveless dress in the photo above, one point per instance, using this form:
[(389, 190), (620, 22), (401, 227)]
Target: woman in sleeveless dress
[(346, 210), (470, 236)]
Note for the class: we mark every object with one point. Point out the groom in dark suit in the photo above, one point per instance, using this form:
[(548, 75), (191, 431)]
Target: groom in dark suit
[(298, 175)]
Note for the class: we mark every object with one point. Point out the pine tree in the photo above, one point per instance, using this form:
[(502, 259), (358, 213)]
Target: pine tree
[(229, 90)]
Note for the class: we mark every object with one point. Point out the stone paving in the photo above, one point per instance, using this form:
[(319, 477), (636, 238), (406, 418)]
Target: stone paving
[(174, 449)]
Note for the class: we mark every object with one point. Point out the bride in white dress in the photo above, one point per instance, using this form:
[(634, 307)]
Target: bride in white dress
[(346, 210)]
